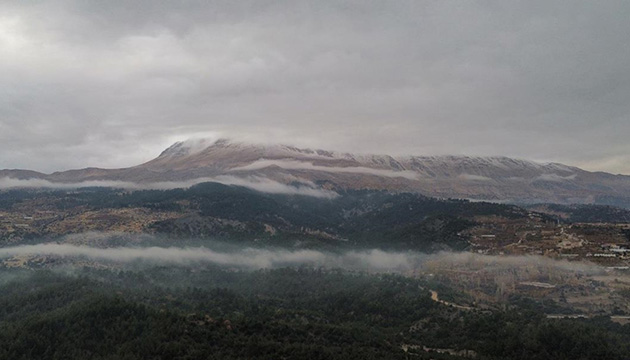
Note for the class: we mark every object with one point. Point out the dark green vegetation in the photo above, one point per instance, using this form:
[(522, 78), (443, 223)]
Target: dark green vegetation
[(208, 313), (363, 219), (587, 213)]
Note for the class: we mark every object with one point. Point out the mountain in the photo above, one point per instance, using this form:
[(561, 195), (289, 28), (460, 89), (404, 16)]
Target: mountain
[(500, 179)]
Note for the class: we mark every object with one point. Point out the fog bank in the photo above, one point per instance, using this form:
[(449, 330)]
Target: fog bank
[(246, 258), (252, 182), (254, 258)]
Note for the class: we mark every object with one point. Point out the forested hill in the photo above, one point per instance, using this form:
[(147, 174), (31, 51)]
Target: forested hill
[(585, 213), (210, 210), (208, 313)]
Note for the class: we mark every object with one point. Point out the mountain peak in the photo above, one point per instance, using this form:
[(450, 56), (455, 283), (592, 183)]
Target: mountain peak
[(193, 146)]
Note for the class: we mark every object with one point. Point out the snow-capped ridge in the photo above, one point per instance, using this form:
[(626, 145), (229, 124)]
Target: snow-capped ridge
[(252, 152), (495, 178)]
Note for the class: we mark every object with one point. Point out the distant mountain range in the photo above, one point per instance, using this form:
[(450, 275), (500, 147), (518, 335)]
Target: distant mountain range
[(499, 179)]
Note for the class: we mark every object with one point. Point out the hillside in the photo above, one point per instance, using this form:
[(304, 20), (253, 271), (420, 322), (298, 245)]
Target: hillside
[(354, 219)]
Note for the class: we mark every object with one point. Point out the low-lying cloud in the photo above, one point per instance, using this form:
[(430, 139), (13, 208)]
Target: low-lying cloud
[(521, 267), (274, 187), (480, 262), (247, 258), (253, 182), (555, 177), (476, 178)]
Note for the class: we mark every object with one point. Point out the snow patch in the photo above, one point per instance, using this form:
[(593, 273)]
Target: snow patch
[(303, 165)]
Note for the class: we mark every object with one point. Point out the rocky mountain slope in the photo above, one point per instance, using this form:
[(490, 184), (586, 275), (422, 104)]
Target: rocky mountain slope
[(482, 178)]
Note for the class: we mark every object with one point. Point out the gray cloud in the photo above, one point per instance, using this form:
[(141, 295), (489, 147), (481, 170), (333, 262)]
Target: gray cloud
[(92, 83)]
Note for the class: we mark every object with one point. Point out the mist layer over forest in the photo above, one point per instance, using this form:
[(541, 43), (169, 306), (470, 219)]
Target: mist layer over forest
[(251, 258), (254, 303)]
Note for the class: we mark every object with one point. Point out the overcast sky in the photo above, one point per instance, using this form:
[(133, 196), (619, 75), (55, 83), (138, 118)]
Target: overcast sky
[(110, 84)]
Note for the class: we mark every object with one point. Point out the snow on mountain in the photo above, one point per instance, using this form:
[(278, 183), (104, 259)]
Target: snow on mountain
[(489, 178)]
